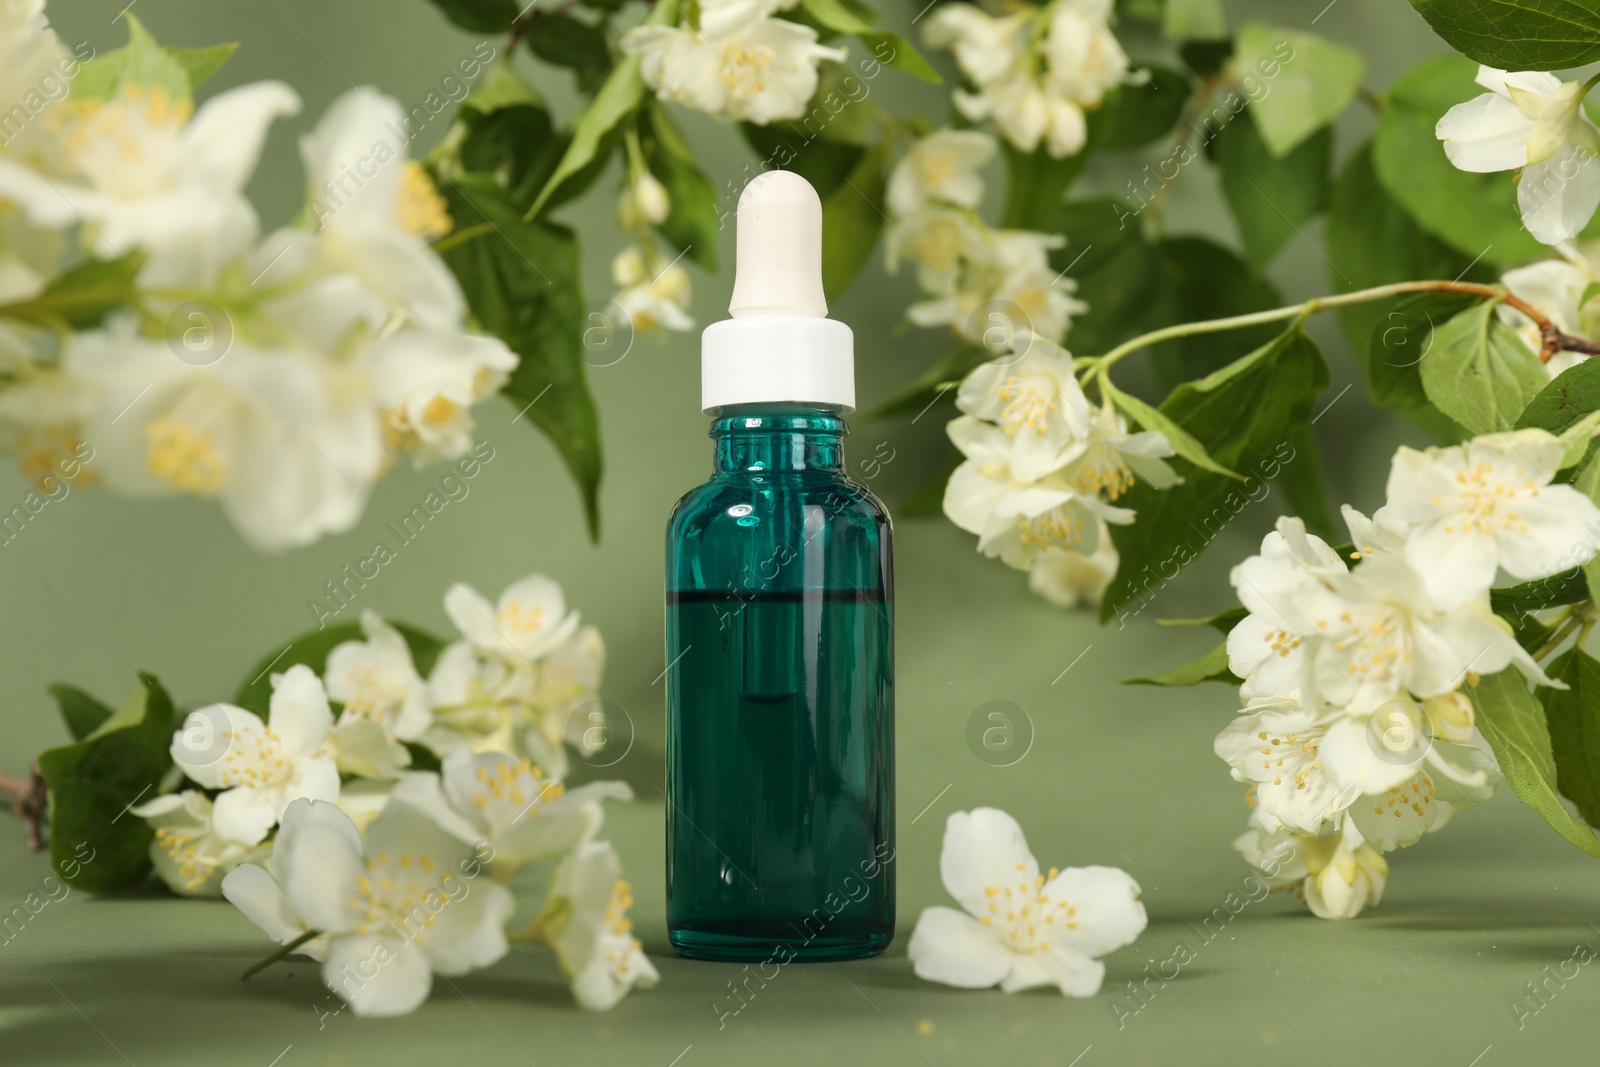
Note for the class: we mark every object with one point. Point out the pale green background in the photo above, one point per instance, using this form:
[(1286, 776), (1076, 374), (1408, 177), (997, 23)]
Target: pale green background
[(1116, 775)]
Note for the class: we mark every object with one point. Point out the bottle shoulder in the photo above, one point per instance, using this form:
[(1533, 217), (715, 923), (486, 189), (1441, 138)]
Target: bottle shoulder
[(724, 497)]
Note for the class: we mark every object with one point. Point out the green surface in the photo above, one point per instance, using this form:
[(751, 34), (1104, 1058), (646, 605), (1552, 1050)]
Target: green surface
[(96, 585)]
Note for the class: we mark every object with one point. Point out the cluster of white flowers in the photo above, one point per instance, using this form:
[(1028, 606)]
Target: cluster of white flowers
[(1036, 70), (1533, 122), (1358, 736), (738, 61), (283, 374), (1021, 928), (382, 861), (981, 282), (653, 291), (1043, 470)]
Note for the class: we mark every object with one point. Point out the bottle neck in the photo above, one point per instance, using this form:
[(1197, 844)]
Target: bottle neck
[(754, 438)]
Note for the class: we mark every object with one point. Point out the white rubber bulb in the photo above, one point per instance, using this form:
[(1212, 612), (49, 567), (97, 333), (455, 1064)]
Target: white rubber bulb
[(778, 264)]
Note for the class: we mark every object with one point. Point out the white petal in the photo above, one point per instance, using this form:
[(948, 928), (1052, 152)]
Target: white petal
[(377, 976), (1106, 908), (244, 814), (317, 860), (1558, 196), (256, 893), (1074, 974), (300, 715), (223, 141), (1456, 563), (473, 615), (469, 931), (1487, 133), (984, 848), (956, 949), (313, 779)]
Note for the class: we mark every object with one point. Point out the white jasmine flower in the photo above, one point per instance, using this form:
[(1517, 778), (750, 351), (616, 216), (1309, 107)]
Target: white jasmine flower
[(1556, 287), (1357, 639), (1532, 121), (1068, 579), (748, 67), (376, 680), (363, 799), (285, 440), (1021, 928), (30, 68), (940, 240), (1084, 59), (658, 300), (375, 211), (188, 853), (396, 907), (986, 48), (147, 176), (530, 619), (940, 167), (1273, 744), (1341, 883), (585, 920), (1338, 876), (509, 807), (427, 382), (1016, 519), (1027, 281), (479, 701), (1034, 396), (260, 768), (1109, 457), (1473, 508)]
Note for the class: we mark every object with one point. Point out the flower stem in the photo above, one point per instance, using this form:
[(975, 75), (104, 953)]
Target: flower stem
[(1560, 636), (263, 964), (1554, 339)]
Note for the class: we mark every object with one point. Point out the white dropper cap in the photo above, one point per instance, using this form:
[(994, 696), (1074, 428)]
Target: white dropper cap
[(779, 346)]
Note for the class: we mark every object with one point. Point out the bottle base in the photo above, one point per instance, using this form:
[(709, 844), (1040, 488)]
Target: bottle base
[(777, 941)]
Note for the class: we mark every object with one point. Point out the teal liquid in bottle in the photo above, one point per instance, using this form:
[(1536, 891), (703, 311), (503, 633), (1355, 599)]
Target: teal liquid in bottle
[(779, 608)]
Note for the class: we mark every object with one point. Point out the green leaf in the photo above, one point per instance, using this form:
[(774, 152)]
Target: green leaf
[(1399, 344), (201, 63), (562, 40), (1573, 716), (1243, 417), (937, 382), (82, 297), (1518, 34), (1190, 20), (503, 87), (1119, 274), (852, 217), (693, 223), (1183, 443), (887, 47), (95, 845), (1134, 115), (1271, 197), (1588, 483), (522, 284), (481, 16), (82, 713), (618, 98), (1223, 621), (1478, 371), (312, 648), (1568, 397), (1311, 81), (141, 62), (517, 144), (1568, 587), (1372, 240), (1211, 667), (1203, 280), (1474, 213), (1305, 490), (1514, 725), (1036, 183)]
